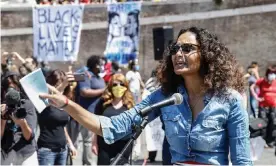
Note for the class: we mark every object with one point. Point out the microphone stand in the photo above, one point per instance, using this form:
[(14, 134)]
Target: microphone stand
[(137, 131)]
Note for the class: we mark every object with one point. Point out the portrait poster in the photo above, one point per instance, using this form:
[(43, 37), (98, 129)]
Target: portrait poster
[(123, 32), (56, 32)]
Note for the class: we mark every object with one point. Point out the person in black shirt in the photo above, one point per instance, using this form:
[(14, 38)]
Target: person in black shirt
[(18, 146), (53, 138), (116, 99)]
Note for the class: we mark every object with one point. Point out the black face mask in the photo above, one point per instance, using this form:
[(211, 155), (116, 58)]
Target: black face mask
[(96, 70)]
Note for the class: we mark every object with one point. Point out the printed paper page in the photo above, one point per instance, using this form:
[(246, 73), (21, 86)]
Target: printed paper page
[(34, 84)]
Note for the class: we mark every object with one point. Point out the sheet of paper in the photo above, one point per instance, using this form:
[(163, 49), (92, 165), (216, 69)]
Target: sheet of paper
[(34, 84)]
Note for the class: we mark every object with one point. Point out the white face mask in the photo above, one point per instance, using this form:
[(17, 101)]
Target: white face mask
[(271, 77)]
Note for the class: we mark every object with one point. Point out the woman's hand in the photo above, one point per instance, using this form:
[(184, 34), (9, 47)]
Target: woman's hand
[(95, 148), (3, 110), (17, 56), (69, 78), (73, 151), (259, 99), (55, 97), (17, 121)]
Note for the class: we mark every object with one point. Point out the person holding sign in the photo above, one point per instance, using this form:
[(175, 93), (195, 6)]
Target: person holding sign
[(208, 125), (53, 138)]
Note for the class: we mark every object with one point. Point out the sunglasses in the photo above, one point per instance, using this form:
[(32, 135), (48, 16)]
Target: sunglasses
[(185, 48), (117, 84)]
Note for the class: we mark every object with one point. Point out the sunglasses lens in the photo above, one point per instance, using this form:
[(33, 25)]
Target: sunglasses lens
[(121, 84), (174, 49), (187, 48)]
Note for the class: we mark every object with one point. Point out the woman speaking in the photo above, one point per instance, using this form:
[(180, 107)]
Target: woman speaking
[(210, 123)]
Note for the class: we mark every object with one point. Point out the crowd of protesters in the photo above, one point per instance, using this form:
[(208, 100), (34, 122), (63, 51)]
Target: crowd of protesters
[(104, 86), (262, 99), (52, 2), (106, 90)]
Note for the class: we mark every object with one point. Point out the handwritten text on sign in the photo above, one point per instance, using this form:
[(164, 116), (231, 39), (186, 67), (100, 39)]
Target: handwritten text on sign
[(57, 32), (154, 135)]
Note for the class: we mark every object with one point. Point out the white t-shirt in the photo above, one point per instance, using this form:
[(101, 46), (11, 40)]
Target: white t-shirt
[(134, 78)]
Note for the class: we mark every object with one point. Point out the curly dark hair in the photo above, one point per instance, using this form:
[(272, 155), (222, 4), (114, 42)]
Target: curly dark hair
[(218, 67), (56, 77), (93, 61)]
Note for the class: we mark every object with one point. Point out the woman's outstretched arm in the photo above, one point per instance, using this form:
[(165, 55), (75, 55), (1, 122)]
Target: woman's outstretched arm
[(85, 118), (111, 129)]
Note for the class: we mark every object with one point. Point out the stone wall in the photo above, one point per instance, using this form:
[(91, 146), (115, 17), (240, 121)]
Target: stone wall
[(249, 36), (21, 17)]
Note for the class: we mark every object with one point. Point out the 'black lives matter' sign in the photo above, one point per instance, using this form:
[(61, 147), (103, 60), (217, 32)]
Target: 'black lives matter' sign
[(56, 31)]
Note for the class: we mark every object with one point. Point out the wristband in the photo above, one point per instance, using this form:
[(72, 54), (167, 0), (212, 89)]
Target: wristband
[(65, 104)]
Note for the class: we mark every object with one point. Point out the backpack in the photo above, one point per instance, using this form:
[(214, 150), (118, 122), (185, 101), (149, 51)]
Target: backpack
[(257, 127)]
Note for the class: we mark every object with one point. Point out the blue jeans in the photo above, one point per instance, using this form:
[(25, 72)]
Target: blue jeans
[(47, 156), (254, 106)]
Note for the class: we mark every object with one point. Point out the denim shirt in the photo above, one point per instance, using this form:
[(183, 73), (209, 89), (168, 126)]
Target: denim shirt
[(221, 126)]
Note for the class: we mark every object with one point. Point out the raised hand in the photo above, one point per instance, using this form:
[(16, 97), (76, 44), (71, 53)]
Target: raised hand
[(55, 97), (17, 56)]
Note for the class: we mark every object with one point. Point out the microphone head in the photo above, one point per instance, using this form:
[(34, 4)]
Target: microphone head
[(12, 97), (178, 98)]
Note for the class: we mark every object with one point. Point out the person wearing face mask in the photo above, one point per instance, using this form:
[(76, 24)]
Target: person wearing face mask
[(267, 102), (53, 140), (116, 99), (209, 125), (135, 81), (90, 91), (103, 62)]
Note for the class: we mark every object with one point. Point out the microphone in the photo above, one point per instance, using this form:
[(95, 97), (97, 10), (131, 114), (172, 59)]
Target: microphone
[(175, 99), (12, 97), (14, 101)]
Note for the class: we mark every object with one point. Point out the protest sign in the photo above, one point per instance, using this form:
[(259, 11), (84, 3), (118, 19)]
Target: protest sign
[(153, 131), (123, 31), (33, 84), (56, 31), (154, 135)]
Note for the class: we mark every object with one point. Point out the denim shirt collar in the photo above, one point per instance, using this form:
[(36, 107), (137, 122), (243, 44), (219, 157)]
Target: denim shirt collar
[(182, 90)]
